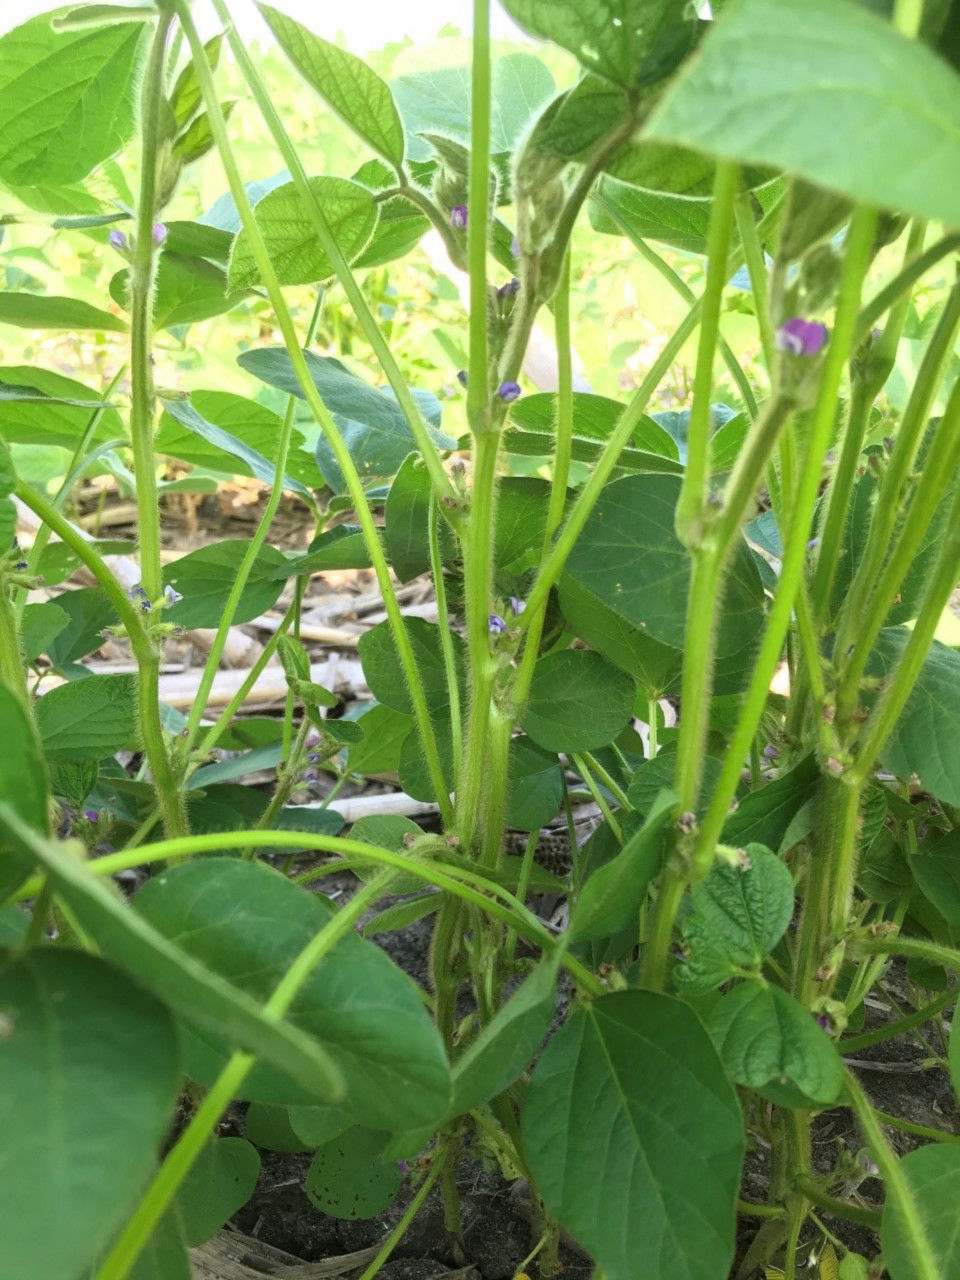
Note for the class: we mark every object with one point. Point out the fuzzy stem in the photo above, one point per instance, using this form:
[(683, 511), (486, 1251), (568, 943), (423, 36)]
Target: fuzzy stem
[(446, 638), (852, 1044)]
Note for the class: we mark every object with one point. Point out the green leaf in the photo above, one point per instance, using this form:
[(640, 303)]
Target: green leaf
[(926, 738), (39, 627), (954, 1052), (183, 412), (620, 209), (88, 611), (288, 230), (788, 82), (187, 96), (764, 816), (371, 422), (66, 99), (631, 42), (413, 772), (616, 891), (188, 987), (23, 784), (247, 923), (220, 1182), (632, 1133), (205, 578), (578, 701), (188, 290), (383, 672), (77, 1147), (60, 413), (269, 1127), (164, 1256), (521, 521), (534, 785), (629, 556), (933, 1174), (654, 775), (738, 914), (349, 1179), (572, 124), (765, 1037), (357, 94), (504, 1048), (937, 872), (406, 514), (384, 730), (42, 311), (594, 418), (73, 781), (88, 719), (342, 547)]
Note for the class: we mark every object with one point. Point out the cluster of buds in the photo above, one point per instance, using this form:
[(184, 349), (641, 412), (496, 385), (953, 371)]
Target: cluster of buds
[(146, 605), (499, 625), (124, 245)]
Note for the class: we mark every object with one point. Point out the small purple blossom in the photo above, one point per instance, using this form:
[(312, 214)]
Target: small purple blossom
[(159, 232), (140, 597), (509, 290), (170, 596), (402, 1166), (509, 390), (118, 241), (91, 815), (823, 1022), (812, 544), (770, 752), (458, 217), (799, 337), (515, 247), (496, 624), (462, 377), (867, 1165), (517, 605)]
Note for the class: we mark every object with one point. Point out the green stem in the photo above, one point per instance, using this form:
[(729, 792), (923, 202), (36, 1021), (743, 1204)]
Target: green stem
[(478, 228), (921, 1130), (180, 1159), (446, 638), (606, 778), (523, 884), (598, 797), (899, 1192), (694, 492), (843, 1209), (334, 253), (911, 949), (317, 407), (907, 16), (11, 653), (890, 1030), (904, 281), (254, 546), (400, 1230), (757, 269), (653, 711), (751, 1210)]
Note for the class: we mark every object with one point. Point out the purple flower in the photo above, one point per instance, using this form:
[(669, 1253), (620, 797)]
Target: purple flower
[(496, 624), (509, 391), (517, 606), (462, 377), (170, 596), (402, 1166), (824, 1023), (770, 752), (509, 290), (118, 241), (458, 217), (800, 337), (159, 232), (140, 597), (91, 815), (515, 247)]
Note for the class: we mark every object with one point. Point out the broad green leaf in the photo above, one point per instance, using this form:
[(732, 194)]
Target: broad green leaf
[(402, 914), (88, 719), (578, 701), (346, 82), (764, 816), (765, 1037), (42, 311), (738, 914), (164, 1256), (220, 1182), (631, 42), (933, 1175), (926, 738), (406, 514), (937, 872), (414, 775), (384, 731), (504, 1048), (534, 785), (630, 557), (653, 775), (88, 612), (74, 780), (61, 419), (616, 891), (205, 578), (572, 124), (655, 666), (23, 784), (371, 422), (90, 1070), (66, 99), (400, 228), (247, 923), (521, 521), (8, 512), (789, 82), (198, 240), (594, 418), (39, 627), (187, 96), (287, 228), (195, 992), (341, 547), (349, 1178), (14, 924), (653, 166), (269, 1127), (632, 1133), (620, 209), (188, 290), (253, 462), (383, 672)]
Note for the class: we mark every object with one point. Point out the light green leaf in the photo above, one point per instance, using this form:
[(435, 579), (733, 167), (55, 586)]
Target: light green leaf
[(39, 627), (933, 1174), (205, 578), (291, 240), (247, 923), (349, 1178), (88, 719), (384, 730), (765, 1037), (59, 420), (631, 42), (616, 891), (88, 611), (578, 701), (357, 94), (77, 1147), (188, 290), (42, 311), (632, 1133), (789, 82), (66, 99)]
